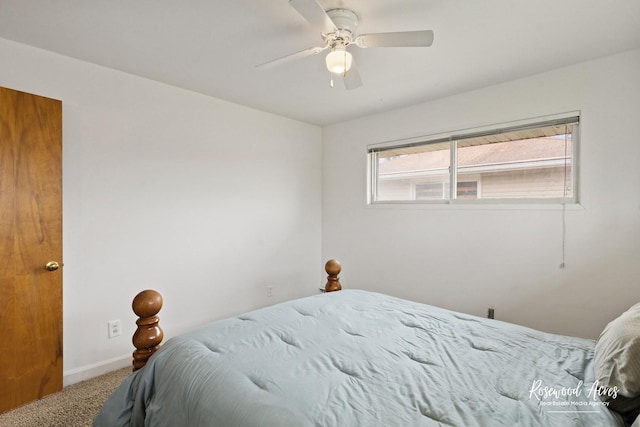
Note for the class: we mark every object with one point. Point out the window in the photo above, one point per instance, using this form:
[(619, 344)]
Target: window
[(531, 162), (440, 191)]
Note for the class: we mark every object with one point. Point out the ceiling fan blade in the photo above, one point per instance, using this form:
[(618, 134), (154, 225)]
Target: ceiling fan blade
[(290, 57), (352, 78), (313, 12), (422, 38)]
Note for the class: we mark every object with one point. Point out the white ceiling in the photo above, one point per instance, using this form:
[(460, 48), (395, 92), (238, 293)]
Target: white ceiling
[(212, 47)]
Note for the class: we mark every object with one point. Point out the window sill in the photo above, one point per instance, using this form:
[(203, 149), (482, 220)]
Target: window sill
[(520, 205)]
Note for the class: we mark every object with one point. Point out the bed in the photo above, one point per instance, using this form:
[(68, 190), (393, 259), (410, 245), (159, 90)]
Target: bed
[(357, 358)]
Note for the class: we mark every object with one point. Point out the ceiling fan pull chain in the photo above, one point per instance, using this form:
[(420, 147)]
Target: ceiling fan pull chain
[(344, 65)]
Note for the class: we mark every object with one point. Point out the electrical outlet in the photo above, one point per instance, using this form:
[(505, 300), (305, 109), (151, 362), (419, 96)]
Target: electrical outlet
[(115, 328), (269, 291)]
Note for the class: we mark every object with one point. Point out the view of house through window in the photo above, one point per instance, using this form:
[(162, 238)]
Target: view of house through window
[(533, 162)]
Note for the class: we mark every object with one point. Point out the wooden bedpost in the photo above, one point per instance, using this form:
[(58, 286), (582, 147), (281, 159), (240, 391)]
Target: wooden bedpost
[(333, 268), (148, 336)]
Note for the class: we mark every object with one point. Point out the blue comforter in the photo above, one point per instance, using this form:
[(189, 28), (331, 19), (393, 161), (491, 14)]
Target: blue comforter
[(355, 358)]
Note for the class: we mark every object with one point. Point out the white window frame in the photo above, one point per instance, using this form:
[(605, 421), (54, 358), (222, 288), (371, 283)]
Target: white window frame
[(453, 137)]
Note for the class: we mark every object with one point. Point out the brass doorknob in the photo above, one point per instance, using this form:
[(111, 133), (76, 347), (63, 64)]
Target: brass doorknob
[(52, 266)]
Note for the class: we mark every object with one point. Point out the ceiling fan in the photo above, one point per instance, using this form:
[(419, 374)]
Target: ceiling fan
[(338, 30)]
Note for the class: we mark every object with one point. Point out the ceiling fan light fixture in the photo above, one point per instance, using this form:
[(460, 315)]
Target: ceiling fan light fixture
[(337, 28), (339, 60)]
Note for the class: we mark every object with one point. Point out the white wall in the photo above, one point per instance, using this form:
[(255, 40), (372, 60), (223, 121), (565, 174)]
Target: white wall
[(467, 259), (206, 201)]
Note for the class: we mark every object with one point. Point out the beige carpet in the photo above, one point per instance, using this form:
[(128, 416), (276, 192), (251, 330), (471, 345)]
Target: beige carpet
[(74, 406)]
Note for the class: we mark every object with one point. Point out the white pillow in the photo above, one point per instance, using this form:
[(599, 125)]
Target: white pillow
[(617, 357)]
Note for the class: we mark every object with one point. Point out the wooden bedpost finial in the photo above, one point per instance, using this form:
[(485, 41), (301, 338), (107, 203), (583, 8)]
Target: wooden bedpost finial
[(147, 338), (333, 268)]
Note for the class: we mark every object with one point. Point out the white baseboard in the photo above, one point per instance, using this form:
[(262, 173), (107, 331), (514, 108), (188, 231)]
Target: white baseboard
[(94, 370)]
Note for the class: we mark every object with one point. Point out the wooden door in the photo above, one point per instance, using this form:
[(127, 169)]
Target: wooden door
[(30, 237)]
